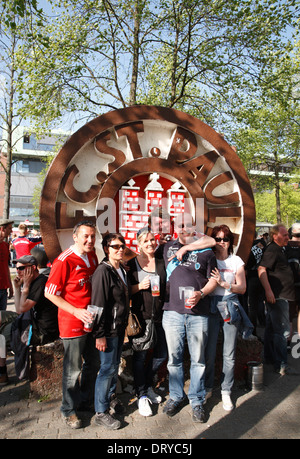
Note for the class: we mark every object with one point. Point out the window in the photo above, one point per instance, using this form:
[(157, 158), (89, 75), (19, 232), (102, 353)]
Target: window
[(28, 166)]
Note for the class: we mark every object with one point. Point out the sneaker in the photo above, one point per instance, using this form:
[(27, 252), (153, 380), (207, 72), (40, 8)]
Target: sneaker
[(72, 421), (144, 406), (198, 414), (106, 420), (4, 379), (116, 405), (172, 407), (287, 371), (153, 397), (227, 403)]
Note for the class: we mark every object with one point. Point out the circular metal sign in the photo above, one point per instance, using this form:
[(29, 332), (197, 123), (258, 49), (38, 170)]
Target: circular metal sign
[(117, 150)]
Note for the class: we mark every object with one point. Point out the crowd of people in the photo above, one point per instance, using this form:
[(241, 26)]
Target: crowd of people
[(203, 287)]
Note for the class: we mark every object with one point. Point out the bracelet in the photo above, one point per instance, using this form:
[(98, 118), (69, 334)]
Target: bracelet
[(229, 289)]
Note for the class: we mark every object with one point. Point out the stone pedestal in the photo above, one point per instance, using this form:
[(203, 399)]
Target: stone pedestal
[(46, 370), (47, 366)]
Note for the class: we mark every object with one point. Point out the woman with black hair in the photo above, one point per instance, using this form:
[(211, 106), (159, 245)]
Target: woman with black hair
[(110, 291)]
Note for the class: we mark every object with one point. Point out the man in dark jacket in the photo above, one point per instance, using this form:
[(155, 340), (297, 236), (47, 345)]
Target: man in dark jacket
[(277, 280)]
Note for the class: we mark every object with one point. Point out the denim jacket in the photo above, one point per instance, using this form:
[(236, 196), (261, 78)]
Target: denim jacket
[(238, 316)]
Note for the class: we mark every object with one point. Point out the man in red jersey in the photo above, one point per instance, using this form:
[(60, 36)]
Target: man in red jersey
[(24, 244), (69, 288)]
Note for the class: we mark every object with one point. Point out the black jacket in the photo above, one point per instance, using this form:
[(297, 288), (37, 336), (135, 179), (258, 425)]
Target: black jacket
[(109, 292), (142, 300)]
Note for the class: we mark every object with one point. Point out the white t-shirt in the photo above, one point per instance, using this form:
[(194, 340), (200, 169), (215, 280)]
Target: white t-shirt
[(228, 269)]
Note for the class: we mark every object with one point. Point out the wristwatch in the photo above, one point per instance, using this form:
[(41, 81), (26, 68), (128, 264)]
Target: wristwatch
[(202, 294)]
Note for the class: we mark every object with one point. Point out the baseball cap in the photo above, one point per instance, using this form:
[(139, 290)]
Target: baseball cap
[(296, 228), (27, 259), (5, 221)]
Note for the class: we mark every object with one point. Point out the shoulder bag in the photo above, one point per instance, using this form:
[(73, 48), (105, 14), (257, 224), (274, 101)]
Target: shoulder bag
[(149, 338), (133, 326)]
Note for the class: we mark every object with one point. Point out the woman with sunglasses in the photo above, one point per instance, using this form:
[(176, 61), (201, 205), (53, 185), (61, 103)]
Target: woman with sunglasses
[(110, 291), (140, 270), (231, 279)]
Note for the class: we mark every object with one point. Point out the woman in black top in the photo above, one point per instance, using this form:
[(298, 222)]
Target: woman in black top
[(143, 303), (110, 291)]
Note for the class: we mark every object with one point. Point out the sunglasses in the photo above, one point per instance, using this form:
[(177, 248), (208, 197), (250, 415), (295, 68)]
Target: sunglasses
[(219, 239), (21, 268), (118, 246), (187, 226)]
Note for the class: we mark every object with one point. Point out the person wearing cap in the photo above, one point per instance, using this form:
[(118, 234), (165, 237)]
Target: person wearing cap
[(293, 254), (6, 288), (29, 287)]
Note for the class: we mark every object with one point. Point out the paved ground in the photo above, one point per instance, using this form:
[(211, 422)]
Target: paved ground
[(272, 413)]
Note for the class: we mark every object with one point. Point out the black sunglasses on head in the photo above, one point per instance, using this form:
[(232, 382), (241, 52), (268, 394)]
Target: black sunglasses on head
[(219, 239)]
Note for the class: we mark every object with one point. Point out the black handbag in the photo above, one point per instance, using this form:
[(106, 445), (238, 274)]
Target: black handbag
[(149, 338)]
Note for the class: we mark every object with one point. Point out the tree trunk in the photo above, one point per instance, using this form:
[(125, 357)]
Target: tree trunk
[(277, 192), (136, 51), (9, 127)]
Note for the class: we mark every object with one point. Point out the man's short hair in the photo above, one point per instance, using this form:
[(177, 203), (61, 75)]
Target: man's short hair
[(40, 256), (159, 212), (22, 227), (275, 230), (83, 223)]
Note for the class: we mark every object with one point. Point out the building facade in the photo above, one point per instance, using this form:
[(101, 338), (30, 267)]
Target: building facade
[(29, 159)]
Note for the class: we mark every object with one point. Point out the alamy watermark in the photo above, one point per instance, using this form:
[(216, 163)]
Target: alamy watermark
[(132, 216), (295, 352)]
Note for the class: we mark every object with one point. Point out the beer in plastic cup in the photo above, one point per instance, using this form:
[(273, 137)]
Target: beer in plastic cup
[(188, 292), (94, 310), (155, 285)]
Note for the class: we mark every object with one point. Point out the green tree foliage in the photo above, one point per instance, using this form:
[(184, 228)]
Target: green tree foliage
[(265, 204), (199, 56)]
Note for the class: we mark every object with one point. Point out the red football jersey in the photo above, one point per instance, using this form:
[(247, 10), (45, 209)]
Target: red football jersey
[(70, 278), (23, 245), (4, 260)]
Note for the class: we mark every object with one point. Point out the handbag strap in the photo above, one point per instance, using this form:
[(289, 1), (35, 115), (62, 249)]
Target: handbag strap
[(154, 298), (123, 283)]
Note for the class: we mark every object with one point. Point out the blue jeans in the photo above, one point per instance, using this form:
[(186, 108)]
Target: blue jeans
[(3, 299), (74, 393), (276, 333), (106, 381), (194, 328), (230, 333), (143, 374)]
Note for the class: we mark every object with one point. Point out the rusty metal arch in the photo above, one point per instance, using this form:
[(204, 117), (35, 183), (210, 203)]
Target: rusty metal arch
[(187, 170)]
